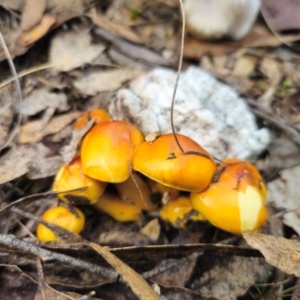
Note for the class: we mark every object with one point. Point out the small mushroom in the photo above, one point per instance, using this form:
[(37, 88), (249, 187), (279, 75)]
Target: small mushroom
[(164, 162), (61, 217), (70, 176), (107, 149), (119, 210), (235, 202)]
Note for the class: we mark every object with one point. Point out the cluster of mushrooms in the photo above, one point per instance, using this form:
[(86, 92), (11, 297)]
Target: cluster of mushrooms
[(230, 195)]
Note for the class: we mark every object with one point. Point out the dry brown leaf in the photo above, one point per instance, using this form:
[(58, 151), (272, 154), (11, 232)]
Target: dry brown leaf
[(113, 27), (31, 133), (138, 285), (12, 277), (60, 11), (244, 66), (18, 160), (6, 118), (122, 238), (32, 13), (71, 49), (63, 134), (44, 291), (284, 193), (289, 109), (259, 36), (229, 277), (137, 52), (97, 82), (44, 167), (41, 99), (69, 151), (47, 292), (279, 252), (151, 230), (271, 68), (29, 37)]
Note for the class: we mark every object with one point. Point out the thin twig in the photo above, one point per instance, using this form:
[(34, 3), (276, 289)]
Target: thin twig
[(175, 90), (18, 86), (34, 197), (13, 243), (178, 76), (275, 120)]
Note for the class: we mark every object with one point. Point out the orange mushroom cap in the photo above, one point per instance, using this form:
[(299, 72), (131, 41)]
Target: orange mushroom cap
[(236, 202), (98, 114), (239, 174), (162, 161), (61, 217), (107, 149), (70, 176)]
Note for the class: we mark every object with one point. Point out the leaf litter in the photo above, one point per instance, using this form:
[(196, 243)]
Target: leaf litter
[(261, 70)]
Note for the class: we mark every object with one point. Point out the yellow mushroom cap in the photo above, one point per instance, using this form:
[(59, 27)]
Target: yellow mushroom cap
[(162, 161), (61, 217), (237, 169), (236, 202), (119, 210), (70, 176), (107, 149)]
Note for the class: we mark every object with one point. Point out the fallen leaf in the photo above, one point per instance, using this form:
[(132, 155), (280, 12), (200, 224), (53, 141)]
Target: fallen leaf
[(44, 291), (31, 133), (244, 66), (41, 99), (224, 277), (284, 193), (38, 31), (6, 118), (137, 52), (12, 283), (113, 27), (279, 252), (259, 36), (63, 134), (69, 151), (138, 285), (18, 160), (289, 109), (71, 49), (96, 82), (151, 230), (179, 293), (44, 167), (119, 238), (32, 13)]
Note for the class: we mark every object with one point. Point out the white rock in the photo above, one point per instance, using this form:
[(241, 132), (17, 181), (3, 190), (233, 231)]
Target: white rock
[(206, 110)]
